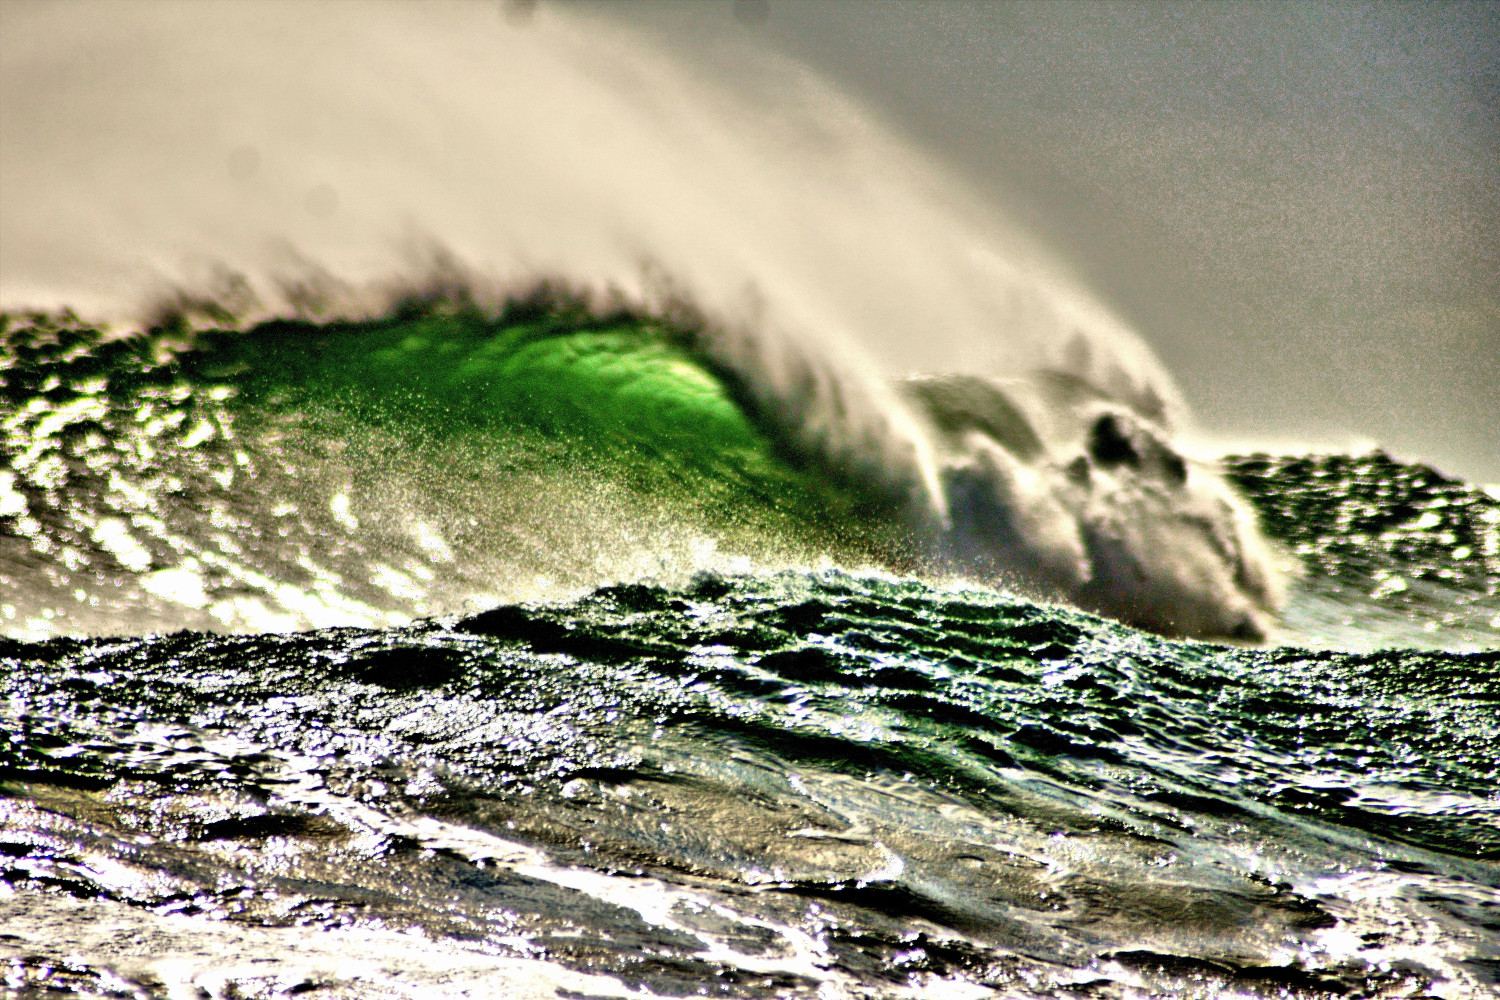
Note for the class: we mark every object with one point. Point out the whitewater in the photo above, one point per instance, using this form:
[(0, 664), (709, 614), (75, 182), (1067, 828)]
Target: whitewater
[(496, 508)]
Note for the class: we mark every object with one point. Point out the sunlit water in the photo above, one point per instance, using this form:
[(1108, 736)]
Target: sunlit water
[(741, 742)]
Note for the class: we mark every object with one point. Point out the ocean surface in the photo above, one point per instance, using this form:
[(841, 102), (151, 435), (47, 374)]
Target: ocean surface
[(527, 654)]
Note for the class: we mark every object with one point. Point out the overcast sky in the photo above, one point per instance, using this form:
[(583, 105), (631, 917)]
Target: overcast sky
[(1298, 205)]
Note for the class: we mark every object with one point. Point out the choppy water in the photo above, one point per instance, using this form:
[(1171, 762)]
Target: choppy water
[(745, 739)]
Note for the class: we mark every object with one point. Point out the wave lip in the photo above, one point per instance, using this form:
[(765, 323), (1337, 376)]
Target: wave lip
[(1100, 507), (1063, 481)]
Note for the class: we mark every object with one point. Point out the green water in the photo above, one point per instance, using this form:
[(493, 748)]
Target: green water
[(766, 758)]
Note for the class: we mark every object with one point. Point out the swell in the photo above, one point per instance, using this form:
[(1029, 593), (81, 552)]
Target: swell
[(640, 417), (926, 770), (803, 256)]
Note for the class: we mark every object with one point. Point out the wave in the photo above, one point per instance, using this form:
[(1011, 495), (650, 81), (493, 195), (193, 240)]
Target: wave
[(801, 254), (1047, 484), (796, 784)]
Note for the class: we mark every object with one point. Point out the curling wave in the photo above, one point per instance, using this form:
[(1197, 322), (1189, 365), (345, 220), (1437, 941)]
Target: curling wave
[(1047, 484), (800, 254), (1064, 481)]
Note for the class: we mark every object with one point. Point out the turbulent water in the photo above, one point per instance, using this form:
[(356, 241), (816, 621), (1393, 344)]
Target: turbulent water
[(556, 650), (806, 591)]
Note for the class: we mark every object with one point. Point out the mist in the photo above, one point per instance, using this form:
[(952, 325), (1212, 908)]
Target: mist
[(1295, 209), (1297, 205), (156, 146)]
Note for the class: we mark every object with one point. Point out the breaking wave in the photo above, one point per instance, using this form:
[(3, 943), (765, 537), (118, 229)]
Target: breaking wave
[(799, 254), (1048, 484)]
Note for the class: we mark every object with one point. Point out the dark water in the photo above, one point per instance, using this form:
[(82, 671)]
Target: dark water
[(1388, 554), (788, 763)]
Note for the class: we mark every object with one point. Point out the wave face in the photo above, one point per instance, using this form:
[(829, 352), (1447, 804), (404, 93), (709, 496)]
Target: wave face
[(548, 442)]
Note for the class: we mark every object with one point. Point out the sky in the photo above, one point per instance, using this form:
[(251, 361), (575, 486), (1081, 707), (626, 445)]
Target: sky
[(1296, 204)]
